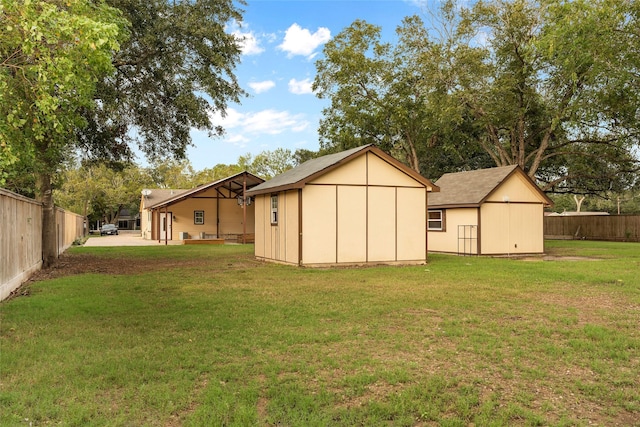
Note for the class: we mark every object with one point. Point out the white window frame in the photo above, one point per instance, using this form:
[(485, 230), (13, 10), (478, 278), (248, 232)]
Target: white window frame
[(435, 220), (198, 217), (274, 209)]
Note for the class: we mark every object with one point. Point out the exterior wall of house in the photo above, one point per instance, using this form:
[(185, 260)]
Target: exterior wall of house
[(448, 239), (183, 221), (278, 242), (512, 228)]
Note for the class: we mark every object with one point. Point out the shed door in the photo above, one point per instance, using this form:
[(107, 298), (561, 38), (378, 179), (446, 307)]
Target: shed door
[(165, 225)]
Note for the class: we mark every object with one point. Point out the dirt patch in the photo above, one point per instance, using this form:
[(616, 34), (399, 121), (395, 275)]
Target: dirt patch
[(70, 264)]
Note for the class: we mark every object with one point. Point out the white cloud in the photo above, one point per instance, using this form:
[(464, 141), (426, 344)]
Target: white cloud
[(270, 122), (273, 122), (300, 41), (300, 87), (264, 86), (248, 41)]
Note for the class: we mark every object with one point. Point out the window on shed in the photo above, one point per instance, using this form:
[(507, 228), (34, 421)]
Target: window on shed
[(435, 220), (198, 217), (274, 209)]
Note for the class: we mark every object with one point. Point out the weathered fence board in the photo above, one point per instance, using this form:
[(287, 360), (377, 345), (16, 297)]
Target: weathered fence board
[(21, 238), (620, 228)]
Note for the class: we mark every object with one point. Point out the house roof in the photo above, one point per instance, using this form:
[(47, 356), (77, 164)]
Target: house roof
[(234, 184), (298, 177), (159, 195), (472, 188)]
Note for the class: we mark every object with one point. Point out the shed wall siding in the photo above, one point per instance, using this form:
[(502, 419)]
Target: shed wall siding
[(351, 173), (277, 242), (447, 241), (289, 230), (381, 234), (512, 228), (517, 189), (319, 224), (383, 174), (411, 210), (352, 224), (261, 223)]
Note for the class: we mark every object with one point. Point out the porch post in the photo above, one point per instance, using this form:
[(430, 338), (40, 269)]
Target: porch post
[(166, 225), (244, 209)]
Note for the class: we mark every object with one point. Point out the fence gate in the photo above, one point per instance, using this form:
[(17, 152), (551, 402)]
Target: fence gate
[(467, 240)]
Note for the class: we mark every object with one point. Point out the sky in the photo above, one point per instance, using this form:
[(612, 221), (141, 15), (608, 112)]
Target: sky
[(282, 40)]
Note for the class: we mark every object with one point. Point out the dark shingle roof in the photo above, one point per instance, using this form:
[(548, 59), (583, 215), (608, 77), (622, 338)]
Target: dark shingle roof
[(470, 187), (300, 175)]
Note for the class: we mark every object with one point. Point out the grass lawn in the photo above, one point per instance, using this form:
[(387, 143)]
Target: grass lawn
[(205, 335)]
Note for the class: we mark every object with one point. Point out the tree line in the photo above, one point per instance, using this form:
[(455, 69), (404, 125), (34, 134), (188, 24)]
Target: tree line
[(100, 192), (552, 86)]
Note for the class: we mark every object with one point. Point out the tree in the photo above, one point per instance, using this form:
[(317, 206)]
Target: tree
[(170, 173), (551, 86), (215, 173), (172, 73), (267, 164), (51, 56), (101, 191), (175, 68)]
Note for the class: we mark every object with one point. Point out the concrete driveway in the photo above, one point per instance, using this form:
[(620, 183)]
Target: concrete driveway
[(126, 238)]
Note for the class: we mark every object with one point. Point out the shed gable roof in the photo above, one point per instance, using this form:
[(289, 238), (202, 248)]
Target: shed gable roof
[(472, 188), (311, 169)]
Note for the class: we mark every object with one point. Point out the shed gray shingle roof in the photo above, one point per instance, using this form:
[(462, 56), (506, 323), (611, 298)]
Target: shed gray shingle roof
[(470, 187), (298, 176)]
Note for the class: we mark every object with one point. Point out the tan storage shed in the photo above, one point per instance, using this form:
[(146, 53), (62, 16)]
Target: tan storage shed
[(360, 206), (496, 211), (216, 210)]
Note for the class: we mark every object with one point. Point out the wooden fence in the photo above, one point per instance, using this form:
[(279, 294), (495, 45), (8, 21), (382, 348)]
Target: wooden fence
[(620, 228), (21, 238)]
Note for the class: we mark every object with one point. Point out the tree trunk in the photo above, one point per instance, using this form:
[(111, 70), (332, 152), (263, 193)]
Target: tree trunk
[(578, 202), (49, 232)]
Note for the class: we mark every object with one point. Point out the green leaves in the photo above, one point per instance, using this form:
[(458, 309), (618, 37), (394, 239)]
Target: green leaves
[(538, 84), (51, 58)]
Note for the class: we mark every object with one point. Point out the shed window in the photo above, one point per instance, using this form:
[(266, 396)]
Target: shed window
[(198, 217), (274, 209), (435, 221)]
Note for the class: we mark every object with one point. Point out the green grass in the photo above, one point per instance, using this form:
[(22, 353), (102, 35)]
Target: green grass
[(205, 335)]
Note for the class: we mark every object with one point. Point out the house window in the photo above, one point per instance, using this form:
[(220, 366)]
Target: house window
[(435, 220), (274, 209), (198, 217)]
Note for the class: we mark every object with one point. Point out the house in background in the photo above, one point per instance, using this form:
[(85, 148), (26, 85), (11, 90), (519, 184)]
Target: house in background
[(217, 210), (496, 211), (359, 206)]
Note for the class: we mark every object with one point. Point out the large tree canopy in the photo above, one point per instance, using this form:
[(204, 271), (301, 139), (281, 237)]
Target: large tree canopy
[(70, 79), (173, 72), (549, 85), (51, 56)]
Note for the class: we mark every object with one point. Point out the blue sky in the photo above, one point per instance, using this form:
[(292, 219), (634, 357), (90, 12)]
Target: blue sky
[(282, 41)]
